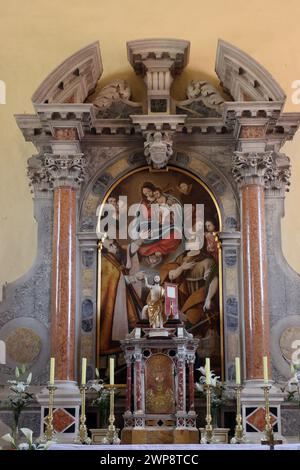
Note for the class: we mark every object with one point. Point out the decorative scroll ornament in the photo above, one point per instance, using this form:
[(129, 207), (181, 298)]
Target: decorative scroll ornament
[(66, 170), (251, 167), (158, 149)]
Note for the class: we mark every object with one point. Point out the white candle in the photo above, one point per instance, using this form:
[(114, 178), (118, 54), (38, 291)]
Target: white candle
[(83, 371), (265, 365), (111, 371), (237, 371), (52, 370), (207, 371)]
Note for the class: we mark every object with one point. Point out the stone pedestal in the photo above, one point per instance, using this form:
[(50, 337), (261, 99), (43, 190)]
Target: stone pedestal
[(253, 410), (162, 412), (66, 410)]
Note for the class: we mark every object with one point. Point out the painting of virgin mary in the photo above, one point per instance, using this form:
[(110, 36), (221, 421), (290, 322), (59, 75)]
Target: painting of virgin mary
[(159, 223)]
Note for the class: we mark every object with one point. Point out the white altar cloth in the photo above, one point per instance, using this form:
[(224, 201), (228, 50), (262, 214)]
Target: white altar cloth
[(198, 447)]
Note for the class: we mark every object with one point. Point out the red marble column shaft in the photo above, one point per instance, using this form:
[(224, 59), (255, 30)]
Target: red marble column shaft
[(128, 391), (181, 385), (64, 283), (138, 371), (191, 387), (256, 309)]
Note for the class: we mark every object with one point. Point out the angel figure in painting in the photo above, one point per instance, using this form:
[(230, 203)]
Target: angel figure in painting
[(154, 309)]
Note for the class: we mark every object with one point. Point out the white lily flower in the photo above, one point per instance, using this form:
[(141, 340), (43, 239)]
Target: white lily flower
[(28, 434), (202, 370), (97, 373), (20, 387), (199, 387), (214, 380), (23, 446), (97, 387), (8, 438), (29, 378), (17, 372)]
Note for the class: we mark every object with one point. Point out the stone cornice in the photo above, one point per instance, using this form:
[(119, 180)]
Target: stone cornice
[(141, 50)]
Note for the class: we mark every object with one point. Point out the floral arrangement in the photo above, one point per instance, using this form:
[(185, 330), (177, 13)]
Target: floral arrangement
[(29, 444), (293, 385), (19, 397), (102, 399), (218, 395)]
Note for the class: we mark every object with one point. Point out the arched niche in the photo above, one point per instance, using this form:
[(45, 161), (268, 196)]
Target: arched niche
[(199, 168)]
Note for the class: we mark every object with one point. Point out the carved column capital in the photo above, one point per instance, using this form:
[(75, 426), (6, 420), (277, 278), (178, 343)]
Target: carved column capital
[(278, 177), (251, 167), (66, 170), (39, 179)]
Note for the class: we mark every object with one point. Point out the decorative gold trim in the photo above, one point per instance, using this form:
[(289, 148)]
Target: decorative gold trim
[(204, 185)]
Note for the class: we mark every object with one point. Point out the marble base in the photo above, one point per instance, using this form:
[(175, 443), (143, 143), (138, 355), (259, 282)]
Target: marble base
[(66, 410), (253, 410), (158, 435)]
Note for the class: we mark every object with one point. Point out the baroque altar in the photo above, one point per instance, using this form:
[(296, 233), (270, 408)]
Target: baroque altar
[(220, 146)]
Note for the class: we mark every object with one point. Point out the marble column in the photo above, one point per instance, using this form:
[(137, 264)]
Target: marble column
[(138, 383), (249, 169), (181, 392), (128, 385), (191, 387), (66, 173)]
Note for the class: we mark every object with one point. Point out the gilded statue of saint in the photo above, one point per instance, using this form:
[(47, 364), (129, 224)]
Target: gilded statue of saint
[(154, 308)]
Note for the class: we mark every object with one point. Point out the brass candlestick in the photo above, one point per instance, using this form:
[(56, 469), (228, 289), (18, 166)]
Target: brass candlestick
[(111, 435), (239, 434), (208, 436), (269, 438), (49, 431), (82, 437)]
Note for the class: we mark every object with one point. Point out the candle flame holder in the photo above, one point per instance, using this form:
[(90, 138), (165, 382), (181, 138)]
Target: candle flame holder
[(111, 435), (269, 438), (208, 436), (239, 433), (49, 431), (82, 437)]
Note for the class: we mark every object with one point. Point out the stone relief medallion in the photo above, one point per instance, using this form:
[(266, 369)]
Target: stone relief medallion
[(289, 341), (23, 345)]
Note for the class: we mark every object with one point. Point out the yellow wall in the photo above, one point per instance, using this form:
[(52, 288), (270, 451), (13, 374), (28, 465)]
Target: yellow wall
[(37, 35)]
